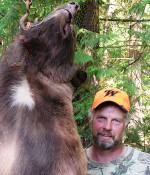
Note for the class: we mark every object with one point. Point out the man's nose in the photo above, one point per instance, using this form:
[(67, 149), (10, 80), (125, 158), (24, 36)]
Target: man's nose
[(108, 125)]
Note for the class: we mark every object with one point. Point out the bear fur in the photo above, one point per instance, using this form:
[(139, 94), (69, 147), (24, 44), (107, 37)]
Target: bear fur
[(38, 135)]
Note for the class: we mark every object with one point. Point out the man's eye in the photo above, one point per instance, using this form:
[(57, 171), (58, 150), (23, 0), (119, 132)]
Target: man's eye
[(100, 119), (116, 121)]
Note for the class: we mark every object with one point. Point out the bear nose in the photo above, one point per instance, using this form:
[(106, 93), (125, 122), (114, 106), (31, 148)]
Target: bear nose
[(75, 4)]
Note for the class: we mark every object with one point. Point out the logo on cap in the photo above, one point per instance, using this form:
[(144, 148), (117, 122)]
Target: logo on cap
[(110, 93)]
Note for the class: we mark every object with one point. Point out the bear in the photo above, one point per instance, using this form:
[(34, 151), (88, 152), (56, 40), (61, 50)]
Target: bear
[(38, 134)]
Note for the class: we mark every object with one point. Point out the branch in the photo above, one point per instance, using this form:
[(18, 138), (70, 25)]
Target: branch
[(134, 61), (124, 20), (137, 59), (24, 17)]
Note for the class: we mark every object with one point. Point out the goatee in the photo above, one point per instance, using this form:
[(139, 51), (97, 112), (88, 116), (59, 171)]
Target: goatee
[(105, 145)]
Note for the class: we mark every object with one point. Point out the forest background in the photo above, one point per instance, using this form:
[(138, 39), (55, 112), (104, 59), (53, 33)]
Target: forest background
[(113, 43)]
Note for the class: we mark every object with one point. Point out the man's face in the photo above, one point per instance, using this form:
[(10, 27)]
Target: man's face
[(108, 125)]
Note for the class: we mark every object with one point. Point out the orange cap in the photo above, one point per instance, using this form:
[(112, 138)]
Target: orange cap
[(113, 95)]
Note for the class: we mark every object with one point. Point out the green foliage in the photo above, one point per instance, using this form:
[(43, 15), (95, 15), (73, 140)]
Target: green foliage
[(139, 7), (81, 57), (9, 20), (82, 103), (112, 66), (140, 135)]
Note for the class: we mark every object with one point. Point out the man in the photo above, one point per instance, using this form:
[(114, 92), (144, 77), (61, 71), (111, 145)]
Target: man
[(108, 155)]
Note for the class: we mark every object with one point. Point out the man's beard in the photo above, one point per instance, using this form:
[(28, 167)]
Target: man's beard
[(105, 144)]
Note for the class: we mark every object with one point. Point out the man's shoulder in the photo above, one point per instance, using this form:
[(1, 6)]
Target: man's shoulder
[(133, 161), (140, 156)]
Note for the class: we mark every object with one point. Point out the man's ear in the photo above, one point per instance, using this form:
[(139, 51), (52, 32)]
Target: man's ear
[(127, 120), (127, 124), (90, 117)]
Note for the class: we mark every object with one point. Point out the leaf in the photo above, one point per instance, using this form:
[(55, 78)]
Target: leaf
[(105, 72), (81, 57), (115, 53)]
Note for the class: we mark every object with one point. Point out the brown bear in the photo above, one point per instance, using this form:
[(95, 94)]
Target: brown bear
[(38, 135)]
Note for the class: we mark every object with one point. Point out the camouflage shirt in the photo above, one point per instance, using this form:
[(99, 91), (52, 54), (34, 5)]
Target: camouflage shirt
[(132, 162)]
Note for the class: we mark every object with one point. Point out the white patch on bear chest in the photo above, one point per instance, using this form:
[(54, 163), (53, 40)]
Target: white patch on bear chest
[(22, 95)]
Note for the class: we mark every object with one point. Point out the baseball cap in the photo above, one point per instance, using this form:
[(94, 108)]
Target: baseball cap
[(115, 95)]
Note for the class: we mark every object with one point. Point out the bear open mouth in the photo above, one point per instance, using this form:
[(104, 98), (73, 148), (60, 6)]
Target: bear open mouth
[(71, 10), (68, 26), (70, 17)]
